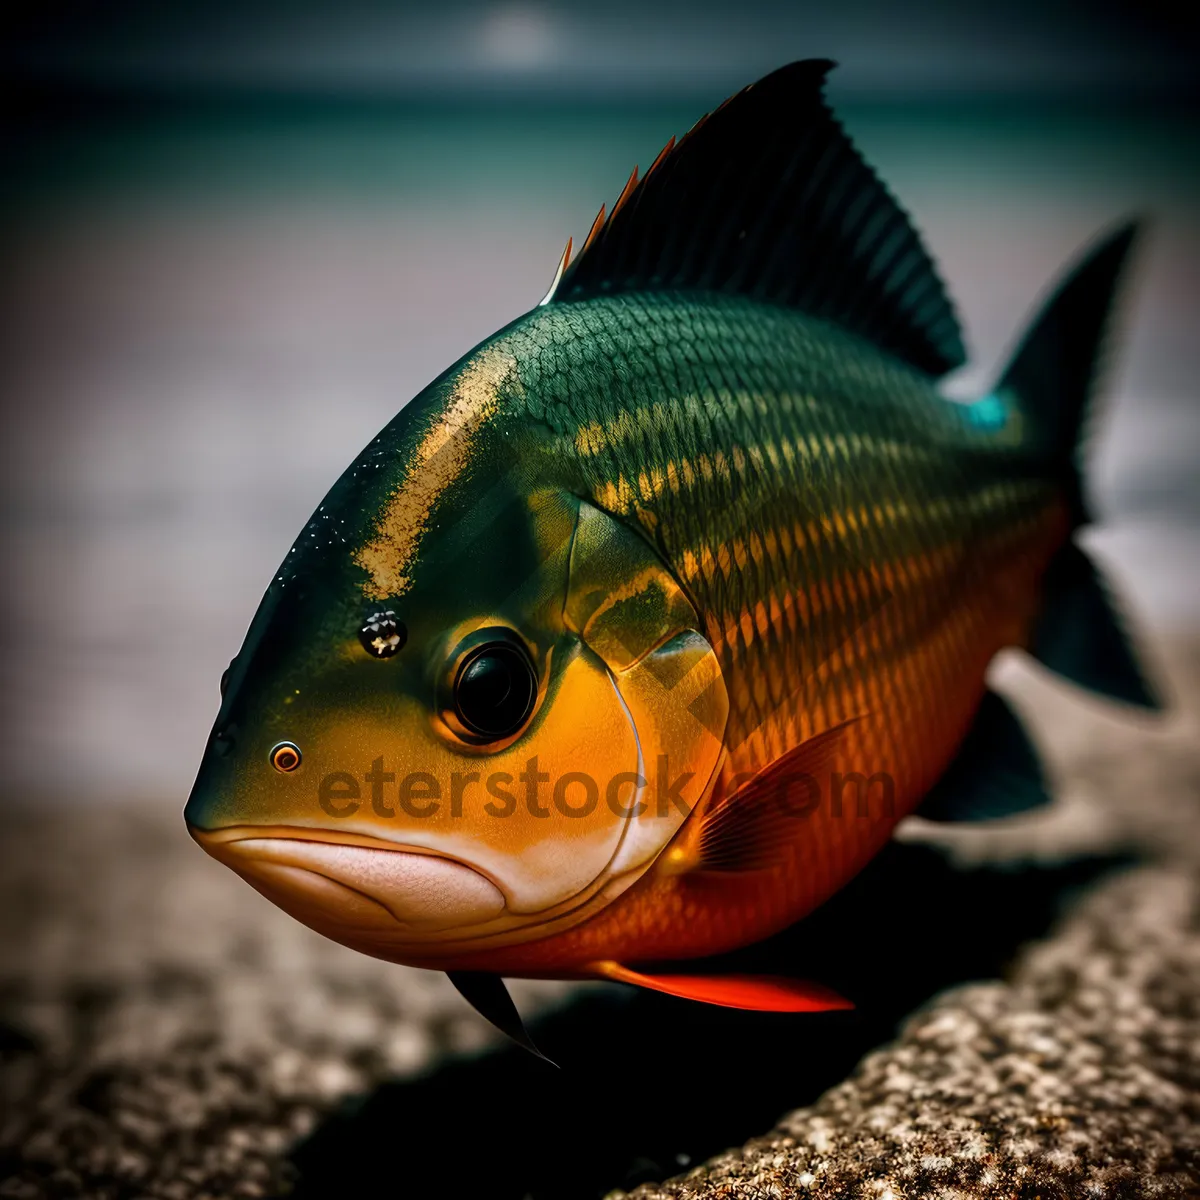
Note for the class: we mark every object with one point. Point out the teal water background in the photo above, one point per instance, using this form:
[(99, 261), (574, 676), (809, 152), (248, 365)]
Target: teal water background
[(207, 312)]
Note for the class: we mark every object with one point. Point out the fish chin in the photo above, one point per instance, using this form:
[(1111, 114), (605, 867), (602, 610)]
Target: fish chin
[(402, 904)]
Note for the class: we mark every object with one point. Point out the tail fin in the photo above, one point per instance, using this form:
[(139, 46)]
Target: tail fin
[(1052, 372), (1078, 634)]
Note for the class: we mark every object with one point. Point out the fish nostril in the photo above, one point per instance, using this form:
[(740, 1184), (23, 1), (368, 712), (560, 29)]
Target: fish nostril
[(224, 740)]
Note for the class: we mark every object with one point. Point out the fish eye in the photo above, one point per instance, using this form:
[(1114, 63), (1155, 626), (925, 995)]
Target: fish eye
[(286, 757), (382, 635), (495, 687)]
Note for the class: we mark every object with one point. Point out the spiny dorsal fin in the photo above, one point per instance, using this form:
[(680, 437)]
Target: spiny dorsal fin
[(767, 197)]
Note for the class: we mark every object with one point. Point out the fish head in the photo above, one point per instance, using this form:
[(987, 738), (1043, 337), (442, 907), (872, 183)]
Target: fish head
[(472, 708)]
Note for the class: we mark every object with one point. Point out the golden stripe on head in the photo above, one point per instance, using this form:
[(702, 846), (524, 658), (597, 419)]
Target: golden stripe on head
[(435, 463)]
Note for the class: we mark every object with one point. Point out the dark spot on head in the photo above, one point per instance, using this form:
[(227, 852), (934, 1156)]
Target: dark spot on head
[(382, 635)]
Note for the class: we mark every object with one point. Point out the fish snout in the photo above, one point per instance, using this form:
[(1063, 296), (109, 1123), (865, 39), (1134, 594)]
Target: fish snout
[(336, 887)]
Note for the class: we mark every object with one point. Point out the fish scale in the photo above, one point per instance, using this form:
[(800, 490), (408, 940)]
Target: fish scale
[(899, 653), (627, 440), (702, 526)]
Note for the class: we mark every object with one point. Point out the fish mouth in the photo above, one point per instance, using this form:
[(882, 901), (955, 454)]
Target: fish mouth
[(354, 882)]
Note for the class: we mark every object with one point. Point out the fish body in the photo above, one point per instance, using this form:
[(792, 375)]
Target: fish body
[(631, 639), (857, 545)]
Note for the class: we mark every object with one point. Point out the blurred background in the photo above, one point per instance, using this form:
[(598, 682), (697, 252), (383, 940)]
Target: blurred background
[(234, 240), (237, 238)]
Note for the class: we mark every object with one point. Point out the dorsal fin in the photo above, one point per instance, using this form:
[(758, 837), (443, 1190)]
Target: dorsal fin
[(767, 197)]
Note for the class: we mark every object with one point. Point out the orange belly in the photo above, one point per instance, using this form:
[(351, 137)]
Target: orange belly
[(913, 715)]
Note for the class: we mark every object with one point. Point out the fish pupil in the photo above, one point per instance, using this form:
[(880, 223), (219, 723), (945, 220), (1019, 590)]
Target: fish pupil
[(495, 690)]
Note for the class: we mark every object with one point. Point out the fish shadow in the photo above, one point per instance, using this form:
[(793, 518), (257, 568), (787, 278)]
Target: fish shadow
[(650, 1085)]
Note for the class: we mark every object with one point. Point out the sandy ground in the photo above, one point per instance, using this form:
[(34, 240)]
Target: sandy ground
[(167, 1033)]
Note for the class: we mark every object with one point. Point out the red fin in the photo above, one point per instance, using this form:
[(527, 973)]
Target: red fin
[(658, 161), (625, 194), (762, 993), (751, 829), (597, 225)]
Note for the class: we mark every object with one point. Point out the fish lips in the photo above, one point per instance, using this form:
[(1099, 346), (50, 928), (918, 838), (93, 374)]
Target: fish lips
[(338, 887)]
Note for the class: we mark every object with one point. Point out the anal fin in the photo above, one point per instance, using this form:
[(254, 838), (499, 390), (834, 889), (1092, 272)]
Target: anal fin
[(761, 993), (995, 774)]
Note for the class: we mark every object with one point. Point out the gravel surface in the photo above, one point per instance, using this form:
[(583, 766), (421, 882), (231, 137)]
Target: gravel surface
[(167, 1033), (1078, 1078)]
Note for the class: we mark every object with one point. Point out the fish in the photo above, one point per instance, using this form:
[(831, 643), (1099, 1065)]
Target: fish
[(632, 637)]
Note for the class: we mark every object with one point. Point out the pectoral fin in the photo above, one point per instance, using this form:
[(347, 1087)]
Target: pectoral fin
[(752, 828), (762, 993), (488, 996)]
